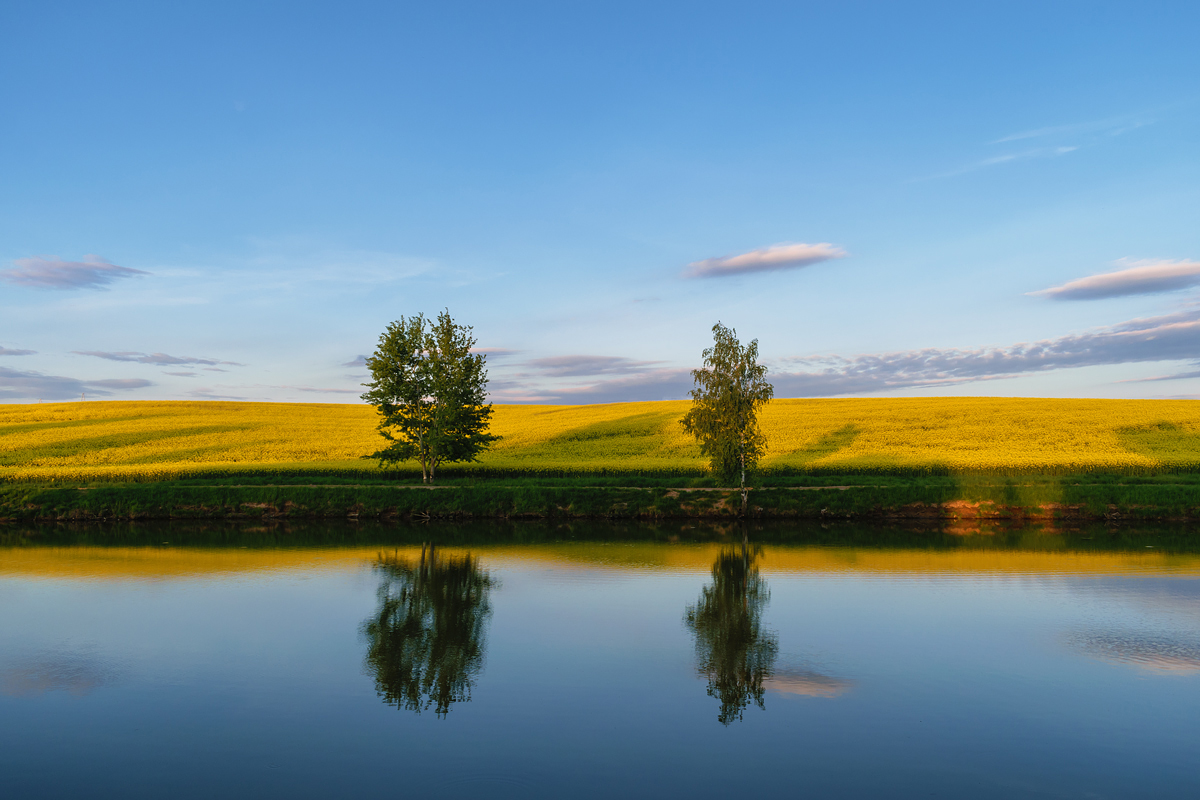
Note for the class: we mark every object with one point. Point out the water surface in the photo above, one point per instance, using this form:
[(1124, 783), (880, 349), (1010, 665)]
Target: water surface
[(591, 661)]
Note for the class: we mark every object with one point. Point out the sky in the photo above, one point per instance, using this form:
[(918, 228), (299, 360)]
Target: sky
[(231, 200)]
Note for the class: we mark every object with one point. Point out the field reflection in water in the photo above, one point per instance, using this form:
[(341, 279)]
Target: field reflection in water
[(586, 660)]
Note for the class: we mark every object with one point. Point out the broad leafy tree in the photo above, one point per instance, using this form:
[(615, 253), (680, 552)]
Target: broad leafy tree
[(729, 390), (733, 651), (426, 641), (431, 393)]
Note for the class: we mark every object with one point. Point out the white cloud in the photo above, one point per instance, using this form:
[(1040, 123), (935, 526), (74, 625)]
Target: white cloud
[(1057, 140), (1143, 277), (1006, 158), (317, 389), (486, 352), (1113, 127), (775, 257), (123, 384), (207, 393), (5, 351), (605, 379), (50, 272), (494, 352), (656, 384), (578, 366)]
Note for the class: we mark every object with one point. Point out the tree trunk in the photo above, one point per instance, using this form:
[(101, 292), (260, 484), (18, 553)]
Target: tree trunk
[(742, 459)]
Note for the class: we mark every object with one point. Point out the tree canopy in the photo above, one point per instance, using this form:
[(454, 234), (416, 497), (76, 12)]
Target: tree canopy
[(431, 392), (730, 389)]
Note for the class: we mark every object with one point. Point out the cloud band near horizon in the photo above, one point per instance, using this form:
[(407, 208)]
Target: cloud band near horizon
[(18, 384), (158, 359), (1174, 337)]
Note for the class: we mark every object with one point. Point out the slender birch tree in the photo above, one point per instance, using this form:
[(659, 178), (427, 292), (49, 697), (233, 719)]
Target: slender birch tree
[(729, 390), (431, 394)]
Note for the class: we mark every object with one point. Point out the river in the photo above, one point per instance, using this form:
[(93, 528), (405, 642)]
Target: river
[(591, 660)]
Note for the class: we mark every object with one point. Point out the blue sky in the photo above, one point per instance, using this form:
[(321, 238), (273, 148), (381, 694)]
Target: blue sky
[(231, 200)]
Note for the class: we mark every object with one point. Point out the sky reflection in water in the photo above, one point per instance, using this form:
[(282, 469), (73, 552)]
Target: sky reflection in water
[(701, 668)]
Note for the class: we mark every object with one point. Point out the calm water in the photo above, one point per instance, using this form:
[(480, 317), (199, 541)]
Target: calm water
[(592, 661)]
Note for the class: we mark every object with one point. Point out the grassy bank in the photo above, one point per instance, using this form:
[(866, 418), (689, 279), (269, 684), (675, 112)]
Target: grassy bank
[(1085, 497)]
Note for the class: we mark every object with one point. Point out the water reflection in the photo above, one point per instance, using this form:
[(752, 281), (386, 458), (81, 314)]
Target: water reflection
[(806, 683), (1152, 652), (733, 651), (425, 643), (75, 672)]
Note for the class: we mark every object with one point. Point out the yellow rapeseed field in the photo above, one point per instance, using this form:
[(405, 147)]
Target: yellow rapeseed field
[(961, 435)]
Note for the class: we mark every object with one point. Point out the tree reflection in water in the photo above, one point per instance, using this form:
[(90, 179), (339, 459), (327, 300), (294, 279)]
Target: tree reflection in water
[(732, 650), (426, 641)]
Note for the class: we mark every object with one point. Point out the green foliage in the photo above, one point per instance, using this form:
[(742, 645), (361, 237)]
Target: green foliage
[(430, 391), (730, 389)]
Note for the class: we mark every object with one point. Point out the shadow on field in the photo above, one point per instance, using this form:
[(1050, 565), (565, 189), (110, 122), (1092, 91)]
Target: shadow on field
[(72, 447), (627, 437), (1166, 442), (825, 445)]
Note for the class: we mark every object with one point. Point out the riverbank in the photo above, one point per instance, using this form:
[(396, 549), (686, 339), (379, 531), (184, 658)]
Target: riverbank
[(1084, 498)]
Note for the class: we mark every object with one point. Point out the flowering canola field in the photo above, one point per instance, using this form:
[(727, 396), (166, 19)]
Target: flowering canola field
[(958, 435)]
